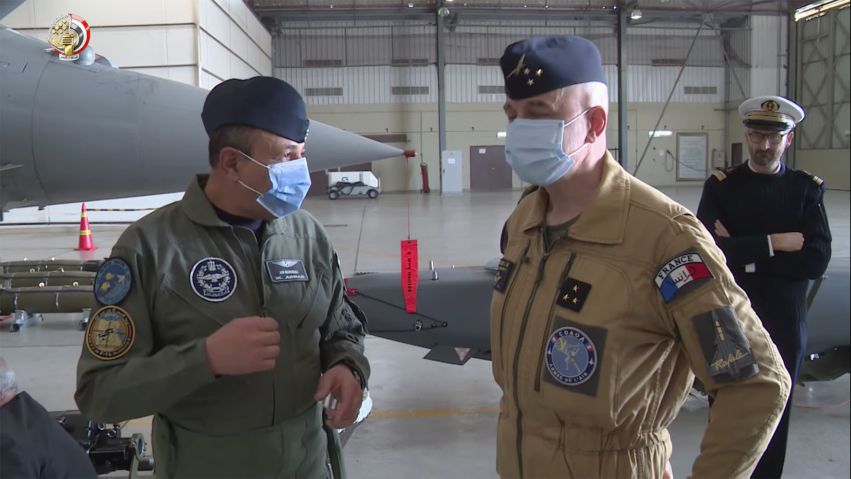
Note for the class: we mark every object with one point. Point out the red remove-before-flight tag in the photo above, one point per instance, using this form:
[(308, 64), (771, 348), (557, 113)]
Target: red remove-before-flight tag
[(410, 274)]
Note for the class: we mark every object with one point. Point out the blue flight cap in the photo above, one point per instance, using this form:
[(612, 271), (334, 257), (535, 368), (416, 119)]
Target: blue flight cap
[(261, 102), (541, 64)]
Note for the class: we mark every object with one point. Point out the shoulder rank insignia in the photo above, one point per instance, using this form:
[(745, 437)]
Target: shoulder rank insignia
[(818, 181), (719, 175), (110, 333), (682, 273), (213, 279), (113, 281)]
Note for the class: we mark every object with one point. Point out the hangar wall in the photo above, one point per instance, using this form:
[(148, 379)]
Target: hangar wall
[(198, 42), (379, 78)]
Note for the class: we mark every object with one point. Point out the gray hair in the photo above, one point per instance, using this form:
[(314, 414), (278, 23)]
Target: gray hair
[(8, 385)]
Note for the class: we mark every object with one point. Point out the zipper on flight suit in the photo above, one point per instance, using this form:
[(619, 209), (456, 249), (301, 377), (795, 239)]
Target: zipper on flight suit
[(541, 265), (550, 322), (523, 259)]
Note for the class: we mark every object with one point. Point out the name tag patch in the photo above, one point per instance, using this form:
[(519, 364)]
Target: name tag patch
[(503, 274), (684, 272), (286, 271)]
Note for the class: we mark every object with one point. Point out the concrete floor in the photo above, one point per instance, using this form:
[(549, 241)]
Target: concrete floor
[(430, 420)]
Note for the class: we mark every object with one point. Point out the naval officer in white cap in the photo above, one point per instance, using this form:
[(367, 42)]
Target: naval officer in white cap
[(771, 224)]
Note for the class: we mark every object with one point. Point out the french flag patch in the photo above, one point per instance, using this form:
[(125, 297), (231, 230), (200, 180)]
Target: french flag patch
[(684, 272)]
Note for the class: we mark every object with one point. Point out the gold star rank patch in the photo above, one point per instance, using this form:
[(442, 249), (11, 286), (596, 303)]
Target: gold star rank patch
[(573, 294)]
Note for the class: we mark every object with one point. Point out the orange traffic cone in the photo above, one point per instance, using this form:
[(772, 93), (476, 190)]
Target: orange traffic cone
[(86, 243)]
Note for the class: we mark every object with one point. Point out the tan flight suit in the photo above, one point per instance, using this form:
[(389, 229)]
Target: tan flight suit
[(596, 342), (264, 424)]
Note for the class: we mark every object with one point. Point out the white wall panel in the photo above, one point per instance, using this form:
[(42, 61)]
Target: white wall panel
[(179, 74), (42, 13), (362, 85)]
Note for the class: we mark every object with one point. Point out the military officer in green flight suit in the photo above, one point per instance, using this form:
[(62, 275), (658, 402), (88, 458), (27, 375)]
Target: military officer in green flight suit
[(224, 315)]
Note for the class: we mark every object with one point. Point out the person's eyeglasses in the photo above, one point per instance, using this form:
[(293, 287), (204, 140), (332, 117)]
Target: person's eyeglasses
[(759, 138)]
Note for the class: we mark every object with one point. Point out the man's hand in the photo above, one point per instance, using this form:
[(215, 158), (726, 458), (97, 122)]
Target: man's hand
[(720, 230), (244, 346), (793, 241), (341, 384), (669, 471)]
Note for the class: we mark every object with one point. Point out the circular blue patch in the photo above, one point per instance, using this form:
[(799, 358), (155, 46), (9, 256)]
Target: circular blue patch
[(213, 279), (113, 281), (571, 356)]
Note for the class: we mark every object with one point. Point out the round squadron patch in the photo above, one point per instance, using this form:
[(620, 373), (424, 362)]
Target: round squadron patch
[(110, 333), (213, 279), (113, 281), (571, 356)]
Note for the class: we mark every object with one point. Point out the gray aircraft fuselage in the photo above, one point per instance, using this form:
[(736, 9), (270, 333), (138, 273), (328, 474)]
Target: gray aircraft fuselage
[(453, 315), (71, 132)]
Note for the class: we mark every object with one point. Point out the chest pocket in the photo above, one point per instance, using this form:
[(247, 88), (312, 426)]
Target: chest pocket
[(302, 305), (181, 314), (579, 358)]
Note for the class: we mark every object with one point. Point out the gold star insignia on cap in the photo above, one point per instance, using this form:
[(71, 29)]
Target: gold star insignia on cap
[(530, 82), (539, 72), (526, 72)]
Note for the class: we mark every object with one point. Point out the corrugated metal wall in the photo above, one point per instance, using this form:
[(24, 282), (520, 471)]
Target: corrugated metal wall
[(336, 63)]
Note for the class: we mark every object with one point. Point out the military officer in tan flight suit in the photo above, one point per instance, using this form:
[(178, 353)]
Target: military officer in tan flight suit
[(610, 298)]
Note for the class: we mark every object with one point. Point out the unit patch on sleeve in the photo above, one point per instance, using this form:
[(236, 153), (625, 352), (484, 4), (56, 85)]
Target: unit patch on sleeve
[(286, 271), (503, 275), (573, 356), (110, 333), (213, 279), (573, 294), (726, 349), (684, 272), (113, 281)]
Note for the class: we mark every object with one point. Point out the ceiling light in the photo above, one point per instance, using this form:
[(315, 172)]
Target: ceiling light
[(411, 5), (660, 133), (500, 134), (635, 14), (817, 9)]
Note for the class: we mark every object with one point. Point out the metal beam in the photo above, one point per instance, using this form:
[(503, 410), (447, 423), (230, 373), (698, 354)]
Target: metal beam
[(440, 46), (792, 72), (623, 137)]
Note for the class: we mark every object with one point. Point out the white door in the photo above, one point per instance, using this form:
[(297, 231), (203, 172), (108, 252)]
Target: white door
[(450, 170)]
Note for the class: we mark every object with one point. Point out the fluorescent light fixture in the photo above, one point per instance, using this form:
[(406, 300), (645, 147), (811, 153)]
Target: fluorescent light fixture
[(500, 134), (660, 133), (817, 9), (635, 14)]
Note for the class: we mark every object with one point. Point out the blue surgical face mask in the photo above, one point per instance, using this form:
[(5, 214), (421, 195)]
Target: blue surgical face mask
[(290, 182), (533, 149)]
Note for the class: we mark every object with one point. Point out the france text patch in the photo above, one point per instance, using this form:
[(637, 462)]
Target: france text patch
[(726, 349), (213, 279), (684, 272), (113, 281), (286, 270), (573, 355)]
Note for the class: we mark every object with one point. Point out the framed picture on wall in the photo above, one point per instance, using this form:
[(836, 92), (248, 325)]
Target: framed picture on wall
[(692, 156)]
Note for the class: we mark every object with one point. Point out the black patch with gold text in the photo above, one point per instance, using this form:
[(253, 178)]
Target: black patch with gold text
[(726, 349), (287, 271), (503, 274), (573, 294)]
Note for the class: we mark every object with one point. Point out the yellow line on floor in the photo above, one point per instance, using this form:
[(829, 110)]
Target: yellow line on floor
[(389, 414)]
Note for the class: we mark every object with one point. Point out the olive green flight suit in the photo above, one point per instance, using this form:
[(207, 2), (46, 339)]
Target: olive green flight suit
[(264, 424), (596, 342)]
